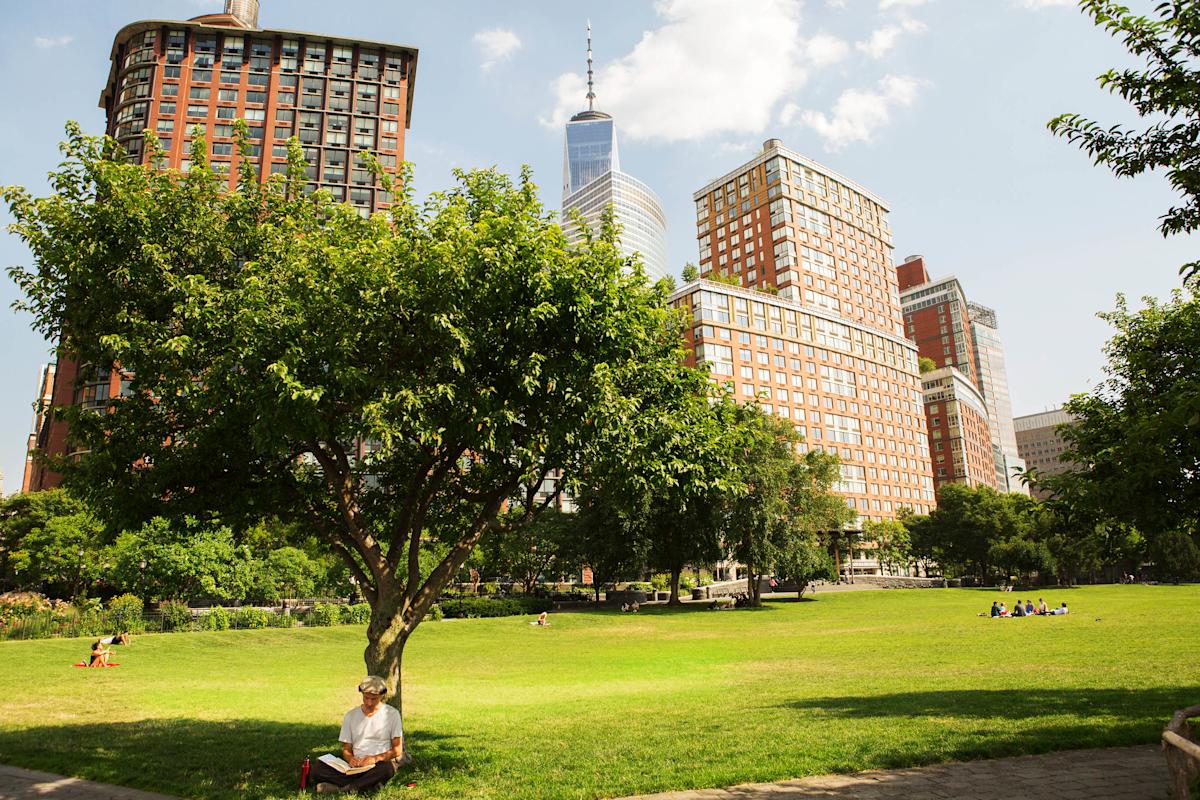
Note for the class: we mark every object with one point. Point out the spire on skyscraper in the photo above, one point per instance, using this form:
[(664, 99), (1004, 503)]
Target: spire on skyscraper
[(591, 95)]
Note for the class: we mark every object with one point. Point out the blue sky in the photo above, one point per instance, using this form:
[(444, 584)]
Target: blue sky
[(938, 106)]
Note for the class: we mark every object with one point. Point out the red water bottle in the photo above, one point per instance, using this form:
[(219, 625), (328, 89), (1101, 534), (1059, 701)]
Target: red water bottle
[(304, 773)]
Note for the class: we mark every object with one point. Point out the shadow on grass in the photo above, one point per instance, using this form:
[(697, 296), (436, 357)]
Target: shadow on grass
[(202, 758), (1044, 720)]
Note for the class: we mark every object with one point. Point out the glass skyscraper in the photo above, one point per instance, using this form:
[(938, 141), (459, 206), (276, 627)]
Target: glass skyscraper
[(592, 181), (589, 150)]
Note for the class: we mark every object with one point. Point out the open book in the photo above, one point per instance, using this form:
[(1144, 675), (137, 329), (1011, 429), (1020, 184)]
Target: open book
[(342, 766)]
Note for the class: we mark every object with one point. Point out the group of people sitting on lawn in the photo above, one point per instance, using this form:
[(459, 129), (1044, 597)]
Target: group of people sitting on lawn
[(1027, 609)]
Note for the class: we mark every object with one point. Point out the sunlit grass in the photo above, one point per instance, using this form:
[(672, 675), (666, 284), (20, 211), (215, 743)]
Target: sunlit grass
[(606, 704)]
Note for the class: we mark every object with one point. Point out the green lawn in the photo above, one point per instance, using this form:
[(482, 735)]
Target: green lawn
[(603, 704)]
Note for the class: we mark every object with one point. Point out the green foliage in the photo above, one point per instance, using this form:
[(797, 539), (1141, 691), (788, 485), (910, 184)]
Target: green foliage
[(51, 540), (324, 615), (1176, 556), (477, 607), (186, 560), (281, 621), (284, 572), (356, 614), (435, 612), (475, 350), (531, 551), (893, 543), (690, 273), (926, 364), (216, 619), (1165, 89), (125, 613), (959, 534), (804, 562), (252, 618), (787, 500), (1135, 439), (176, 616)]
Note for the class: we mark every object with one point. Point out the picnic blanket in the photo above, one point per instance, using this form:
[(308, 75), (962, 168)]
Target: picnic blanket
[(96, 666)]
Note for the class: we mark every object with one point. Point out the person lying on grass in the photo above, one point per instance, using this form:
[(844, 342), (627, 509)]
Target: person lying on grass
[(371, 736)]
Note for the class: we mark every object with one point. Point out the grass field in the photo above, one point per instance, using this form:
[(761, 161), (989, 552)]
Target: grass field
[(602, 704)]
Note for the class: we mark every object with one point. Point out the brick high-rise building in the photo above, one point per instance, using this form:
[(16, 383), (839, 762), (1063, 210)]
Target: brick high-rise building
[(959, 435), (337, 95), (936, 317), (813, 331), (38, 437)]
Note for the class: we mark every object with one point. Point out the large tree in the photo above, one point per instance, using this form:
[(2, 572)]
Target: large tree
[(1135, 439), (786, 497), (393, 381), (1164, 89)]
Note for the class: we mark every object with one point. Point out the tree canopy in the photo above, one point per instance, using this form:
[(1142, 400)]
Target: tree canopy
[(389, 381)]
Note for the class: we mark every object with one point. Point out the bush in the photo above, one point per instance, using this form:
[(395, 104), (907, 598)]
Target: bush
[(639, 586), (252, 618), (282, 621), (489, 588), (435, 613), (324, 615), (478, 607), (176, 616), (217, 619), (125, 614), (357, 614), (660, 582), (686, 583)]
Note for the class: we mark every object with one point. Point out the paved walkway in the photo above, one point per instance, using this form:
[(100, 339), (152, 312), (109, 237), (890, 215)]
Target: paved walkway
[(1120, 773), (25, 784)]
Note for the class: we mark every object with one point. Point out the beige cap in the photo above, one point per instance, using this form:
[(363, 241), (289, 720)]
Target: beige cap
[(373, 684)]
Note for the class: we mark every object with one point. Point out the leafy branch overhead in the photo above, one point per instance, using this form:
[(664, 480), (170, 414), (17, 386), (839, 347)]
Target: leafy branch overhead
[(1166, 88)]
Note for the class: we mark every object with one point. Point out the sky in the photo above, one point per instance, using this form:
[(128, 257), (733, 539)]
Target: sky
[(937, 106)]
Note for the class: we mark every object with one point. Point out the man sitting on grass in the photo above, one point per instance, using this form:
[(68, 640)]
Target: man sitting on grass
[(372, 737)]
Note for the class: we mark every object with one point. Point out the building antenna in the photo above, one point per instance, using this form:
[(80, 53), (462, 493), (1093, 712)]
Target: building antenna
[(591, 95)]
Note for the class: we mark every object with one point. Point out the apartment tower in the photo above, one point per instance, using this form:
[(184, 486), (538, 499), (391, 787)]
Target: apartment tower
[(797, 308), (959, 433), (993, 384), (593, 181), (339, 96), (1041, 444)]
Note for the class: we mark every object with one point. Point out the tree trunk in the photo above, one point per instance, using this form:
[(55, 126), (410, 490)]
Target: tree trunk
[(675, 600), (752, 587), (386, 637)]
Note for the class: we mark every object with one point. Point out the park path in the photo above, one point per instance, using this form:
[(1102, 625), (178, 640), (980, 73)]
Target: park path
[(1116, 773), (1119, 773)]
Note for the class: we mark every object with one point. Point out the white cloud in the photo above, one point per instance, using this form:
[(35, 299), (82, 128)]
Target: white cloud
[(495, 45), (824, 50), (1046, 3), (710, 68), (46, 42), (884, 5), (858, 113), (885, 38)]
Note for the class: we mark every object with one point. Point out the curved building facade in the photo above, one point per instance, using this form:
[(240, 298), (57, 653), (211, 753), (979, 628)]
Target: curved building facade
[(636, 209)]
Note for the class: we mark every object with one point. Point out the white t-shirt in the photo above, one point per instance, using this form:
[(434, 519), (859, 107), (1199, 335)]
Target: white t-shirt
[(369, 736)]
